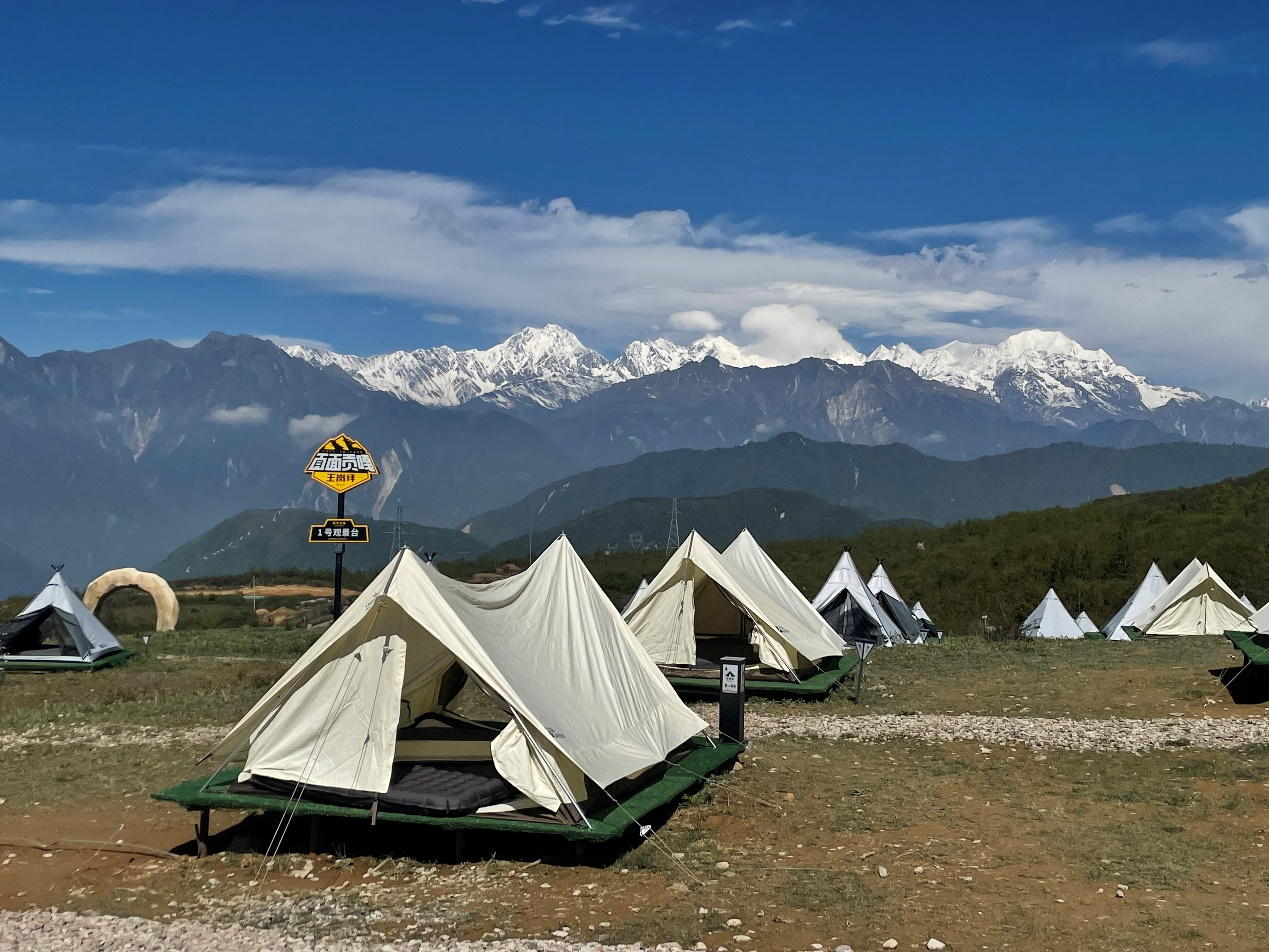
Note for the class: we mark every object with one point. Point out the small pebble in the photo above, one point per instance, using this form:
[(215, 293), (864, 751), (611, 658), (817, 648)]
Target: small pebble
[(934, 945)]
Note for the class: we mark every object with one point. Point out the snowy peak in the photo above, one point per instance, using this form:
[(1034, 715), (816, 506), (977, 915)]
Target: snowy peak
[(1038, 375), (1043, 375)]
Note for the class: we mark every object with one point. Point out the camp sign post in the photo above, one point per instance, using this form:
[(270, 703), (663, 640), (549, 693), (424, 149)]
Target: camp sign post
[(341, 464)]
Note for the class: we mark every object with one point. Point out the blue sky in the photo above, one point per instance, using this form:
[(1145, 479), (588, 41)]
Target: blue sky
[(385, 175)]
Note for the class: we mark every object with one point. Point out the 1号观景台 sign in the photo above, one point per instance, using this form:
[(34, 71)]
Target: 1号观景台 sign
[(339, 530), (342, 464)]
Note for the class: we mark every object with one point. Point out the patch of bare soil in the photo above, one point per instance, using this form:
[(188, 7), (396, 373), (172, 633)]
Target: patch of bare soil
[(268, 591)]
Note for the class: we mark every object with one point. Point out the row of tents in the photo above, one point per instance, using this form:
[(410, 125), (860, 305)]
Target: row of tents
[(1196, 602)]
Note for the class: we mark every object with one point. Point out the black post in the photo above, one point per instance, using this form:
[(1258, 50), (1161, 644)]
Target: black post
[(859, 678), (731, 700), (339, 567)]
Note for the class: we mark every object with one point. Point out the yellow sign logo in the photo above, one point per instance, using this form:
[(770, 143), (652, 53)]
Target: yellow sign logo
[(342, 464)]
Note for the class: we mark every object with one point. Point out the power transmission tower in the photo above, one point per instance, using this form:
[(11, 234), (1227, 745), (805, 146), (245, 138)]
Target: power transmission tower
[(398, 531), (672, 541)]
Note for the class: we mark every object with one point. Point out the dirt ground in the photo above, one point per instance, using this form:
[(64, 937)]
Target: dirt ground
[(272, 591), (982, 848)]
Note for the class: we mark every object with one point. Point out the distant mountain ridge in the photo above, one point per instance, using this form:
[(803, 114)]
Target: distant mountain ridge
[(278, 539), (1036, 374), (881, 482), (643, 523)]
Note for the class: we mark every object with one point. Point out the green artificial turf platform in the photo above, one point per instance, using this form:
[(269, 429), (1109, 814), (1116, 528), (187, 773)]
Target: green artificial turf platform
[(16, 663), (813, 688), (1255, 647), (608, 820)]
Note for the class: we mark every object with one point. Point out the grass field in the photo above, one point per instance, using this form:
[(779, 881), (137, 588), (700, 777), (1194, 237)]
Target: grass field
[(1003, 848)]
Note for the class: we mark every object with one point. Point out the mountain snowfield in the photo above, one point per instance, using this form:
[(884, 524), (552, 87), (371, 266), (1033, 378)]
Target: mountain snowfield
[(1037, 373)]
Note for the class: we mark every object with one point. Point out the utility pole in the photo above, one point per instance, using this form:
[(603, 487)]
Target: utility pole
[(672, 541)]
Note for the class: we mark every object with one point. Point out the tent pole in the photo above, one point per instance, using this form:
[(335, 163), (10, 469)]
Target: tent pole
[(549, 762)]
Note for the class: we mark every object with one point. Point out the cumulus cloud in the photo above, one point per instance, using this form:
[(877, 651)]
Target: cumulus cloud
[(314, 428), (449, 247), (695, 322), (784, 334), (250, 414)]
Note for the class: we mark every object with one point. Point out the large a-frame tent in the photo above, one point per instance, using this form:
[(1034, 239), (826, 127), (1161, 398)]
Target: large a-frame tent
[(1198, 602), (851, 609), (749, 558), (363, 714), (701, 607), (1151, 587), (56, 631), (1051, 620), (888, 597)]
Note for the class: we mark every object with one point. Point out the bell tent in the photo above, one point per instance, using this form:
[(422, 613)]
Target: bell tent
[(1247, 602), (851, 609), (1198, 602), (57, 631), (1260, 620), (1151, 587), (363, 717), (702, 607), (643, 587), (1051, 620), (1087, 625)]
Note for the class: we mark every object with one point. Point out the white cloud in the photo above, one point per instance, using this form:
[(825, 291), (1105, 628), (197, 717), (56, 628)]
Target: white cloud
[(38, 291), (728, 26), (1168, 51), (435, 317), (614, 17), (251, 414), (283, 340), (314, 428), (785, 334), (529, 10), (695, 322), (449, 247)]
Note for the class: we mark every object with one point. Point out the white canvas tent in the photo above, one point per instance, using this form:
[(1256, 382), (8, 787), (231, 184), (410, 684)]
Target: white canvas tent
[(1260, 620), (749, 558), (1087, 625), (643, 587), (56, 627), (921, 613), (701, 597), (850, 607), (1051, 620), (1247, 601), (1150, 588), (1198, 602), (547, 646)]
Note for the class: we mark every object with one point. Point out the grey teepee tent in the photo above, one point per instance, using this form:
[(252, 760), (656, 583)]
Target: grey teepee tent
[(1051, 620), (1150, 588), (57, 631), (851, 609)]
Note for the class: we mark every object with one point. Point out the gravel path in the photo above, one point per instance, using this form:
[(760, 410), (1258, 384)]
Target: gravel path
[(67, 932), (1061, 733), (65, 735)]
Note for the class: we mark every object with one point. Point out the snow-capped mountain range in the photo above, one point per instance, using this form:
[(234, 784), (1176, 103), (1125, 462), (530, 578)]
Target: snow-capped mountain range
[(1035, 374)]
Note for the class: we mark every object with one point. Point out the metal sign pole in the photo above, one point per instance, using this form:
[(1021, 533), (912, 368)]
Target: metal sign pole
[(339, 567), (861, 648)]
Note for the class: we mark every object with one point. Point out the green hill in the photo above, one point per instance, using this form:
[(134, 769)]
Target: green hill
[(769, 514), (882, 482), (278, 538), (1093, 555)]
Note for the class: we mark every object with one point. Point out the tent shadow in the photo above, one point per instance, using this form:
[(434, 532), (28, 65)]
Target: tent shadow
[(1246, 684), (345, 837)]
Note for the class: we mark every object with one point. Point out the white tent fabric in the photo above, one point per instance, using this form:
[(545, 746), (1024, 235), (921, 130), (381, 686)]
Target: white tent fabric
[(1198, 602), (845, 577), (1260, 620), (546, 644), (92, 638), (1087, 625), (921, 613), (643, 587), (880, 582), (1247, 601), (748, 557), (700, 591), (1051, 620), (1150, 588)]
